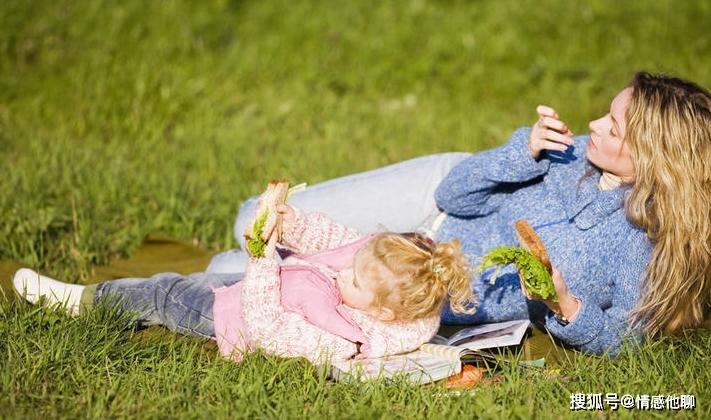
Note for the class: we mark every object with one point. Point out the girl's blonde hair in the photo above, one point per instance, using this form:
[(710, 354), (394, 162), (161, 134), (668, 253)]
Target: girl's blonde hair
[(425, 272), (669, 136)]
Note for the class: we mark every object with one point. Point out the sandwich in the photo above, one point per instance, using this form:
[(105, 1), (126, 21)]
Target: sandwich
[(531, 259), (267, 221), (530, 240)]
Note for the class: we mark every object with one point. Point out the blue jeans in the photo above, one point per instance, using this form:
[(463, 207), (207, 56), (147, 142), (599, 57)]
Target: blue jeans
[(398, 197), (180, 303)]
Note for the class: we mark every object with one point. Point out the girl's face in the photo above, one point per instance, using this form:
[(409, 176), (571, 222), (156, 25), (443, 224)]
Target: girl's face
[(357, 285), (605, 148)]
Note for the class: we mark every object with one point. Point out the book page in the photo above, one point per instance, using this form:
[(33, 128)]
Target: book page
[(457, 353), (504, 334), (419, 366), (479, 330), (447, 352)]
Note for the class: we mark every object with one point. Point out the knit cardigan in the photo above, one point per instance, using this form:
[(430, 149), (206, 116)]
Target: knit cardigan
[(600, 253), (267, 325)]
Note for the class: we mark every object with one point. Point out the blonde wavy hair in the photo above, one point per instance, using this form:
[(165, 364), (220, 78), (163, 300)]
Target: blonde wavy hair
[(426, 273), (669, 136)]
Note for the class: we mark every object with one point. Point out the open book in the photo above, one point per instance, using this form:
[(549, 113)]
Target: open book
[(438, 359)]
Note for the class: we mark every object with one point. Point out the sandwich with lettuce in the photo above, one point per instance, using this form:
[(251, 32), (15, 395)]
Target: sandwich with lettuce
[(266, 220), (531, 259)]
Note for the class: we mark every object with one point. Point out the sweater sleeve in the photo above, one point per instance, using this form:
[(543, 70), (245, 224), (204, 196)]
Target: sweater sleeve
[(478, 185), (402, 337), (315, 232), (596, 330), (287, 334)]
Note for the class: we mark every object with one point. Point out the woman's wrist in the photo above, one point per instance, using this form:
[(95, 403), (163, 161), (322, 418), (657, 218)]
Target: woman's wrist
[(569, 306)]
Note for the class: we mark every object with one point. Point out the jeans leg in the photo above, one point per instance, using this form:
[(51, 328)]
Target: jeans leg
[(231, 261), (181, 303), (399, 196)]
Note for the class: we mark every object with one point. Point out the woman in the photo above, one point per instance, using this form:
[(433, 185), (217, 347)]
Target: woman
[(625, 214)]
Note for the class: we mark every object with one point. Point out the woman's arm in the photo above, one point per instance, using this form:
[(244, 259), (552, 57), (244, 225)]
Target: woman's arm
[(314, 232), (279, 332), (479, 184), (595, 330)]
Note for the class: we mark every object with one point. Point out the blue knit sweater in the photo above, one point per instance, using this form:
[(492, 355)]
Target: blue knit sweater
[(601, 255)]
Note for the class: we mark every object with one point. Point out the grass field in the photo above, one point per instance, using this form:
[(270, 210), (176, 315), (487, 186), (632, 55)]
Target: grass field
[(122, 118)]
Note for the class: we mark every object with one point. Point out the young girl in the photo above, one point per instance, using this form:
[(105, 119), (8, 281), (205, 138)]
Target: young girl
[(382, 294)]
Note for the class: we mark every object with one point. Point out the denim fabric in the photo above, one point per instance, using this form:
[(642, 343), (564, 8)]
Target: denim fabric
[(230, 261), (370, 201), (180, 303)]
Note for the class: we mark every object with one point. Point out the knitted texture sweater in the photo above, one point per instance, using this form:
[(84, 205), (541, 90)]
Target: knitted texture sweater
[(250, 314), (600, 253)]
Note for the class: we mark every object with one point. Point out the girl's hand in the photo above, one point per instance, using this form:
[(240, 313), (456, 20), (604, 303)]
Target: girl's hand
[(568, 305), (288, 216), (270, 249), (548, 133)]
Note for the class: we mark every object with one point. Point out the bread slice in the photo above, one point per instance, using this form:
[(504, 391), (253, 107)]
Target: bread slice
[(276, 193), (530, 240)]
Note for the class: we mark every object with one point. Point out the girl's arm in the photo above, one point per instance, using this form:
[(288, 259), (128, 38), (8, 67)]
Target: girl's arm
[(480, 183), (280, 332), (386, 339), (306, 234)]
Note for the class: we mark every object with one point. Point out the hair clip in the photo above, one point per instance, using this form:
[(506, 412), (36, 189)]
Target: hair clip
[(438, 269)]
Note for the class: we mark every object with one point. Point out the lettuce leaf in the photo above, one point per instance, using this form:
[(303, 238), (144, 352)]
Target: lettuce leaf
[(534, 276), (256, 245)]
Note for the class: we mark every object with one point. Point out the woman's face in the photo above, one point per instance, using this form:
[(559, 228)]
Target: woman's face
[(605, 148)]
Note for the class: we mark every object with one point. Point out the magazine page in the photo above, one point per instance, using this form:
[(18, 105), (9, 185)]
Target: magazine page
[(501, 334), (459, 353), (463, 334)]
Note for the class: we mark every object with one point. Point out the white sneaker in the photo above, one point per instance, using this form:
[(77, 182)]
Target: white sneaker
[(31, 286)]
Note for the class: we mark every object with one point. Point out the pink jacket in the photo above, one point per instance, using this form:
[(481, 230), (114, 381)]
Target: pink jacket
[(311, 293), (295, 310)]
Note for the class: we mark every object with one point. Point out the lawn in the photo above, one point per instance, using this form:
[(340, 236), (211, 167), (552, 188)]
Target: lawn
[(119, 119)]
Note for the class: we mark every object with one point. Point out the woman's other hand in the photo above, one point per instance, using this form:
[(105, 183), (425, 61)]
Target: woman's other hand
[(549, 132)]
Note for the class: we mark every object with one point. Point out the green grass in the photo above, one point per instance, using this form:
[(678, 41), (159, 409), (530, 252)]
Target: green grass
[(123, 118)]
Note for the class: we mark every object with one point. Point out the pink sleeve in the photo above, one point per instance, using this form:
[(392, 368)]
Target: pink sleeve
[(279, 332), (315, 232)]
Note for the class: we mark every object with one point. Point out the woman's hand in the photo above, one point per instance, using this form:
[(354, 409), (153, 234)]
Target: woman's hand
[(568, 305), (549, 133)]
